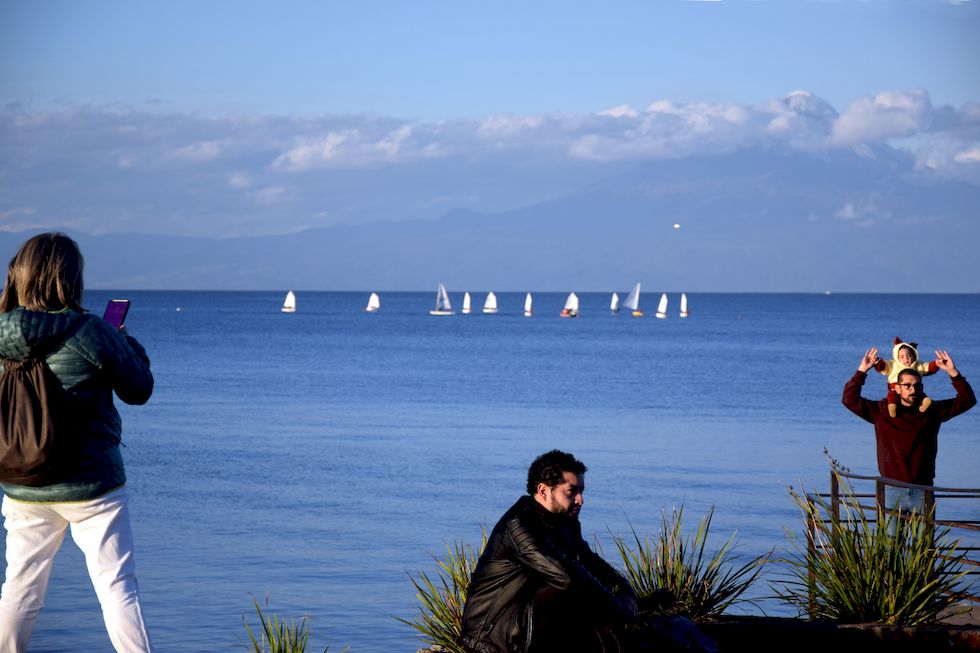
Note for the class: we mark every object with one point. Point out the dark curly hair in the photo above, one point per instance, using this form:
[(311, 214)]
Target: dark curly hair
[(911, 372), (549, 467)]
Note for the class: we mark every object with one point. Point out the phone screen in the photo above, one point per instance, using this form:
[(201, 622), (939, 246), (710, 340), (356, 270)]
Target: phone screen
[(115, 312)]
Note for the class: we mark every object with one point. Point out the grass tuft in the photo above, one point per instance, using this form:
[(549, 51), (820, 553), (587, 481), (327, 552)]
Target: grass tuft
[(703, 586), (278, 636), (892, 569), (442, 598)]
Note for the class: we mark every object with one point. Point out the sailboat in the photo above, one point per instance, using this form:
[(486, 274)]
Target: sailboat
[(633, 301), (374, 303), (289, 304), (614, 303), (527, 305), (683, 305), (490, 306), (662, 308), (466, 304), (571, 306), (443, 307)]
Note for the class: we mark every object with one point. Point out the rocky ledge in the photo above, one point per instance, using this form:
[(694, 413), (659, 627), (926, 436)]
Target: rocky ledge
[(799, 636)]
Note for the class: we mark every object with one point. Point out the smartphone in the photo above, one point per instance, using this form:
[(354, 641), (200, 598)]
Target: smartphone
[(115, 312)]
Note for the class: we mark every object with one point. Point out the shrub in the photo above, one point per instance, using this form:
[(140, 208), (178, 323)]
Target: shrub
[(703, 586), (441, 599), (277, 636), (852, 569)]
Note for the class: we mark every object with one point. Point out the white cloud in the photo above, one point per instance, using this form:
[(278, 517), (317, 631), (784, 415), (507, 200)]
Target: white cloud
[(863, 213), (270, 195), (247, 166), (506, 126), (848, 212), (240, 180), (198, 152), (622, 111), (669, 130), (892, 114), (310, 153), (18, 219), (354, 148), (968, 156)]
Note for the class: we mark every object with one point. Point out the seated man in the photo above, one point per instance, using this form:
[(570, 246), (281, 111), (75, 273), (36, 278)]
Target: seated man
[(538, 586)]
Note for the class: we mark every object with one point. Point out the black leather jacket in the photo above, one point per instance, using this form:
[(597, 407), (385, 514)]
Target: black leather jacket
[(530, 550)]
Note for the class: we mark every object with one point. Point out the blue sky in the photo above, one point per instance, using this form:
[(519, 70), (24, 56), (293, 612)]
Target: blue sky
[(249, 118), (450, 59)]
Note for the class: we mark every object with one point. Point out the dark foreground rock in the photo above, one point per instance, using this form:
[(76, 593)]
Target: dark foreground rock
[(799, 636), (786, 634)]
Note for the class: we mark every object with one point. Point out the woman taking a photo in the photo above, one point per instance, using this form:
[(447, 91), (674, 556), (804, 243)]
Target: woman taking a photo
[(41, 314)]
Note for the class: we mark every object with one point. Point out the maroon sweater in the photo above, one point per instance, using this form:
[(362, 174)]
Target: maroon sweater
[(907, 443)]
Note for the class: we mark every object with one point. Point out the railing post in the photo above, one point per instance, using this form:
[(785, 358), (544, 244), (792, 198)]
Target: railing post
[(929, 504), (811, 546), (880, 495), (929, 513)]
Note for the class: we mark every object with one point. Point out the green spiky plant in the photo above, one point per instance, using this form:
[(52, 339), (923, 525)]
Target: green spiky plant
[(703, 585), (887, 569), (441, 599), (277, 636)]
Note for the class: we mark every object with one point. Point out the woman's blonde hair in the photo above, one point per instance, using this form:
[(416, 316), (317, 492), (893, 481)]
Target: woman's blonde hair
[(44, 275)]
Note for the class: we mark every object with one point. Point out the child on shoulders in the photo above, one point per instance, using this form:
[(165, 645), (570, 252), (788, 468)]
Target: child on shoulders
[(905, 357)]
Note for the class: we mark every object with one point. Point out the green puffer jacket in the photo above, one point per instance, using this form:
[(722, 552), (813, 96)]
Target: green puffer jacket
[(91, 359)]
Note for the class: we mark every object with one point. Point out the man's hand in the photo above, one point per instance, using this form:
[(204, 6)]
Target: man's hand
[(944, 362), (871, 359)]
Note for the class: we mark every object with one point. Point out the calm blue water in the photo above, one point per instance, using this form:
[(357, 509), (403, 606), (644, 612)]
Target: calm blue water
[(319, 457)]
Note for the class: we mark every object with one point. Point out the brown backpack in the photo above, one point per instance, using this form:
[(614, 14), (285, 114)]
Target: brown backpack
[(32, 441)]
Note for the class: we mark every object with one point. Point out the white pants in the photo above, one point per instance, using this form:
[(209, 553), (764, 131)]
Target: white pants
[(100, 528)]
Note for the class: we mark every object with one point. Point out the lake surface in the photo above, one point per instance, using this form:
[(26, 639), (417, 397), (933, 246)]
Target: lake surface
[(318, 458)]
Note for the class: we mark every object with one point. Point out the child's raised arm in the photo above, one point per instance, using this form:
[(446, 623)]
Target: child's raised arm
[(869, 360)]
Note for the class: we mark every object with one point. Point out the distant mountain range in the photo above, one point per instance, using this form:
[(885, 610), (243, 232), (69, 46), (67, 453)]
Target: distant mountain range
[(753, 220)]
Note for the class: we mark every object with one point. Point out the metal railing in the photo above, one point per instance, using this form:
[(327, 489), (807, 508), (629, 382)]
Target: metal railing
[(964, 531)]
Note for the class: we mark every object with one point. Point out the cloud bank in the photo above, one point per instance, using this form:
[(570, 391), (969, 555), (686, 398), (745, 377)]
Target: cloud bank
[(103, 169)]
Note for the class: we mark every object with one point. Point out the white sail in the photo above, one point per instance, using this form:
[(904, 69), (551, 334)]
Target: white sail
[(527, 305), (466, 303), (662, 308), (289, 304), (374, 303), (614, 303), (490, 306), (683, 305), (571, 304), (633, 299), (443, 307)]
